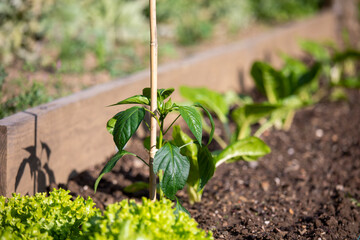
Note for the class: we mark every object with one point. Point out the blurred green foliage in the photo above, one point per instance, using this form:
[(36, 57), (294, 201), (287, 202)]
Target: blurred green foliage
[(283, 10), (72, 37), (43, 31), (29, 96), (21, 28)]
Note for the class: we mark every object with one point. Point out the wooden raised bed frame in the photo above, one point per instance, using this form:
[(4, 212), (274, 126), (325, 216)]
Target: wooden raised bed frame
[(53, 141)]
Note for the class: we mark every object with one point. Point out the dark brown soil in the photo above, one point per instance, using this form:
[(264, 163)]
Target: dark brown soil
[(307, 188)]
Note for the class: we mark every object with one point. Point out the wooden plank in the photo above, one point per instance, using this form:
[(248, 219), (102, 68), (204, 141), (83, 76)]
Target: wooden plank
[(3, 158), (51, 142)]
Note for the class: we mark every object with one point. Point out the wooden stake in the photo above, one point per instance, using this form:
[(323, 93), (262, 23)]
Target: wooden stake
[(153, 83)]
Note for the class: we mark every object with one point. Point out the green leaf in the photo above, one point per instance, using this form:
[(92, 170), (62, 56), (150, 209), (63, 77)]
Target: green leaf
[(162, 94), (110, 165), (165, 93), (270, 81), (252, 147), (253, 112), (348, 54), (212, 100), (350, 82), (206, 166), (175, 166), (309, 76), (211, 122), (146, 142), (137, 99), (135, 187), (111, 123), (169, 105), (293, 68), (147, 92), (318, 52), (126, 125), (190, 151), (179, 208), (232, 98), (193, 120)]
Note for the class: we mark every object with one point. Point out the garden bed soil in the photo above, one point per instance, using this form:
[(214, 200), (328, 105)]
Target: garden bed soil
[(307, 188)]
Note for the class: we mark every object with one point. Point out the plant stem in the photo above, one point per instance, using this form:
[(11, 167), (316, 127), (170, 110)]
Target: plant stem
[(194, 195), (243, 130), (289, 120), (268, 124), (171, 124), (153, 85), (216, 137)]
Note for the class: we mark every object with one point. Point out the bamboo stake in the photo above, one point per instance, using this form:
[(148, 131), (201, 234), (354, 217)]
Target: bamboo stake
[(153, 83)]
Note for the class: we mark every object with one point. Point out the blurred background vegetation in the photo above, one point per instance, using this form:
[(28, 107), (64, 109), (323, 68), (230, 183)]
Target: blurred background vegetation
[(50, 48)]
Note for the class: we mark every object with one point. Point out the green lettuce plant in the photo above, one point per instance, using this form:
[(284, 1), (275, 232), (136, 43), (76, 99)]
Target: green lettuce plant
[(44, 217), (56, 216), (172, 167), (146, 221)]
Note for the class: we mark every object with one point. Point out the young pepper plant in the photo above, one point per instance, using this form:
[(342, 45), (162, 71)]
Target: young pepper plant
[(169, 164)]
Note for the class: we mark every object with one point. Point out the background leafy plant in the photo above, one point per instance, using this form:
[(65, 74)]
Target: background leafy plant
[(290, 88), (283, 10), (21, 28), (30, 96), (339, 67)]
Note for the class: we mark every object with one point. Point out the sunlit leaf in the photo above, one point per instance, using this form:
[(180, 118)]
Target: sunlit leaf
[(193, 120), (137, 99), (316, 50), (212, 100), (253, 112), (252, 147), (162, 94)]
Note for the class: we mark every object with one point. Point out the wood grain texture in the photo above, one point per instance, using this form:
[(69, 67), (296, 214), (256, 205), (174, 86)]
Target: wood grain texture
[(51, 142)]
